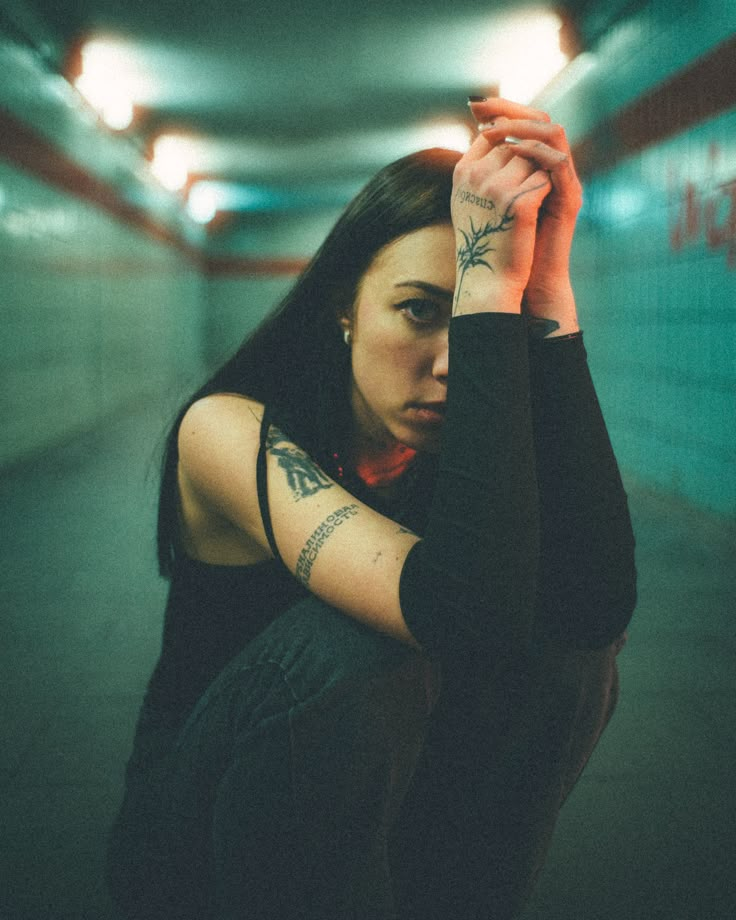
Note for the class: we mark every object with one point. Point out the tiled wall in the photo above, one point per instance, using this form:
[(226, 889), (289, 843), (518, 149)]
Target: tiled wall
[(241, 287), (655, 259), (94, 315), (660, 317)]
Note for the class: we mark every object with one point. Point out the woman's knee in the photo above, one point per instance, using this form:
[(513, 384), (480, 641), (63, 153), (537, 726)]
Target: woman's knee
[(317, 647), (314, 659)]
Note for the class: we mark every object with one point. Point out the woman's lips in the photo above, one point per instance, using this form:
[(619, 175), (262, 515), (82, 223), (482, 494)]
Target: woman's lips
[(428, 413)]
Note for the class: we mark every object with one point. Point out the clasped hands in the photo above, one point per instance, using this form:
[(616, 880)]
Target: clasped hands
[(516, 197)]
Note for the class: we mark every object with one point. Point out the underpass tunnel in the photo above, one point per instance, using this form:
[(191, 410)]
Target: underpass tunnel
[(133, 261)]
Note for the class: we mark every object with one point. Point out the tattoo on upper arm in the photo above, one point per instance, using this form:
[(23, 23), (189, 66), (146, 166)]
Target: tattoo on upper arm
[(315, 543), (303, 475), (540, 328)]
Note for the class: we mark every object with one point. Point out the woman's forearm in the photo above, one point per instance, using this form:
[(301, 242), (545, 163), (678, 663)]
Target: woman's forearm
[(587, 576), (472, 578)]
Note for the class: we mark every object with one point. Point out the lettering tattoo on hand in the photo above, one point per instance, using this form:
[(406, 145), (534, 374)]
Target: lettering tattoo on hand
[(303, 475), (466, 197), (315, 543)]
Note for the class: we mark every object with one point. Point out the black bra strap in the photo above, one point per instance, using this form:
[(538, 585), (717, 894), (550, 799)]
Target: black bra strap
[(262, 486)]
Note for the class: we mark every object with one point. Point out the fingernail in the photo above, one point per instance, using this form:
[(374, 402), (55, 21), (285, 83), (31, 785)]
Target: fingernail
[(477, 99), (486, 126)]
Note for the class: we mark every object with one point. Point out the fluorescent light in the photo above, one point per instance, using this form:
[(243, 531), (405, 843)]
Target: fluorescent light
[(172, 160), (108, 83), (207, 197), (203, 202), (528, 55), (517, 52)]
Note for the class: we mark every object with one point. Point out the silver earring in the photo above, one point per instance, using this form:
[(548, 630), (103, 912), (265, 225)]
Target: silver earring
[(346, 336)]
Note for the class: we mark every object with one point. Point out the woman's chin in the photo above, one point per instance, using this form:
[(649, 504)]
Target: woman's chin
[(425, 442)]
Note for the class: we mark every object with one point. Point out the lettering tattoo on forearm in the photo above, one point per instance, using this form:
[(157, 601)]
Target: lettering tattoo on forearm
[(540, 327), (315, 543), (303, 475)]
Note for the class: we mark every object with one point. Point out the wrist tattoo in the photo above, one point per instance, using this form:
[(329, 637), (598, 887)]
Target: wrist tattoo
[(303, 475), (476, 245), (314, 544), (540, 328)]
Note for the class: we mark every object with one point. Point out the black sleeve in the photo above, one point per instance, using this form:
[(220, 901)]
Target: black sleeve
[(472, 578), (587, 576)]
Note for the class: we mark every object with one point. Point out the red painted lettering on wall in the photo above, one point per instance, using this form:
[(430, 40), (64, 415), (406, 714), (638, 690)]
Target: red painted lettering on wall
[(706, 212)]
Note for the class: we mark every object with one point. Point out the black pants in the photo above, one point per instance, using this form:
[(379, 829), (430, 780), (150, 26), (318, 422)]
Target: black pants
[(325, 776)]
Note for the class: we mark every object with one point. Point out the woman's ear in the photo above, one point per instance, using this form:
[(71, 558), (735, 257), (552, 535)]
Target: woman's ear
[(345, 323)]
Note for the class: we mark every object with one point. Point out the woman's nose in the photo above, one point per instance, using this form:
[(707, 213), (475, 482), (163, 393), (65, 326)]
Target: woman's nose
[(441, 363)]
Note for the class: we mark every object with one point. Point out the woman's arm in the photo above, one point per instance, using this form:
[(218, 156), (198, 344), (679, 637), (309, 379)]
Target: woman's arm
[(587, 580), (472, 579)]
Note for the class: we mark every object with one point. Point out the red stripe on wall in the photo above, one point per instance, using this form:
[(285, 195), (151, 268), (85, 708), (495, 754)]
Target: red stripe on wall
[(242, 265), (704, 89), (28, 150)]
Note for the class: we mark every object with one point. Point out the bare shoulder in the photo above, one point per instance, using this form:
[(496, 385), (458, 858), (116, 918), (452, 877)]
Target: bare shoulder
[(217, 424), (220, 410), (218, 447)]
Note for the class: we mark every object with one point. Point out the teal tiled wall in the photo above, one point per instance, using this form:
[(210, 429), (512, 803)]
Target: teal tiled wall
[(94, 314), (656, 277)]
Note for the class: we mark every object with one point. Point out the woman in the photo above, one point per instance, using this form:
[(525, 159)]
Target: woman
[(397, 590)]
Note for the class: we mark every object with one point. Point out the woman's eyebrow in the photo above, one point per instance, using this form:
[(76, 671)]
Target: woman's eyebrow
[(429, 288)]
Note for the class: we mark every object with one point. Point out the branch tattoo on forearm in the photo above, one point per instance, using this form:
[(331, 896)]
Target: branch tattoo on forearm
[(476, 241), (315, 543), (303, 475)]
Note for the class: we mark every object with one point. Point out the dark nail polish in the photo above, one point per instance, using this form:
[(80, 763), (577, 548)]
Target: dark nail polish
[(477, 98)]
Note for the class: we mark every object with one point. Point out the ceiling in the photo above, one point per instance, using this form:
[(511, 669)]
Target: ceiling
[(303, 93)]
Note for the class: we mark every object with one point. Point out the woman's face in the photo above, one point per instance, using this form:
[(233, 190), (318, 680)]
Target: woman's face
[(399, 327)]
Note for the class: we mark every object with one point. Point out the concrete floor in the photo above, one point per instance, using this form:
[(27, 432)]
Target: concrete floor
[(649, 833)]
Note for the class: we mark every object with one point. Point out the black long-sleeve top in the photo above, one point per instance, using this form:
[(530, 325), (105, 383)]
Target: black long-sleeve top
[(529, 530)]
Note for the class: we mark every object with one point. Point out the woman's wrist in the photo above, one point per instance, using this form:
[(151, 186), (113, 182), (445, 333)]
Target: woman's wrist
[(551, 314), (495, 297)]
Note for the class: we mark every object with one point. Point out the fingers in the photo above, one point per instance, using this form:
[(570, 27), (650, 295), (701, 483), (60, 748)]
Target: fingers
[(499, 119), (534, 188), (559, 168), (546, 145), (483, 145), (525, 129), (495, 107)]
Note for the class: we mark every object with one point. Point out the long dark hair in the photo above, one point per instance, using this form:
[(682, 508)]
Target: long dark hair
[(296, 361)]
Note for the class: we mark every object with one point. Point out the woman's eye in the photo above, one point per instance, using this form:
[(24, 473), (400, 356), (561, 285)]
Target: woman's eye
[(420, 311)]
